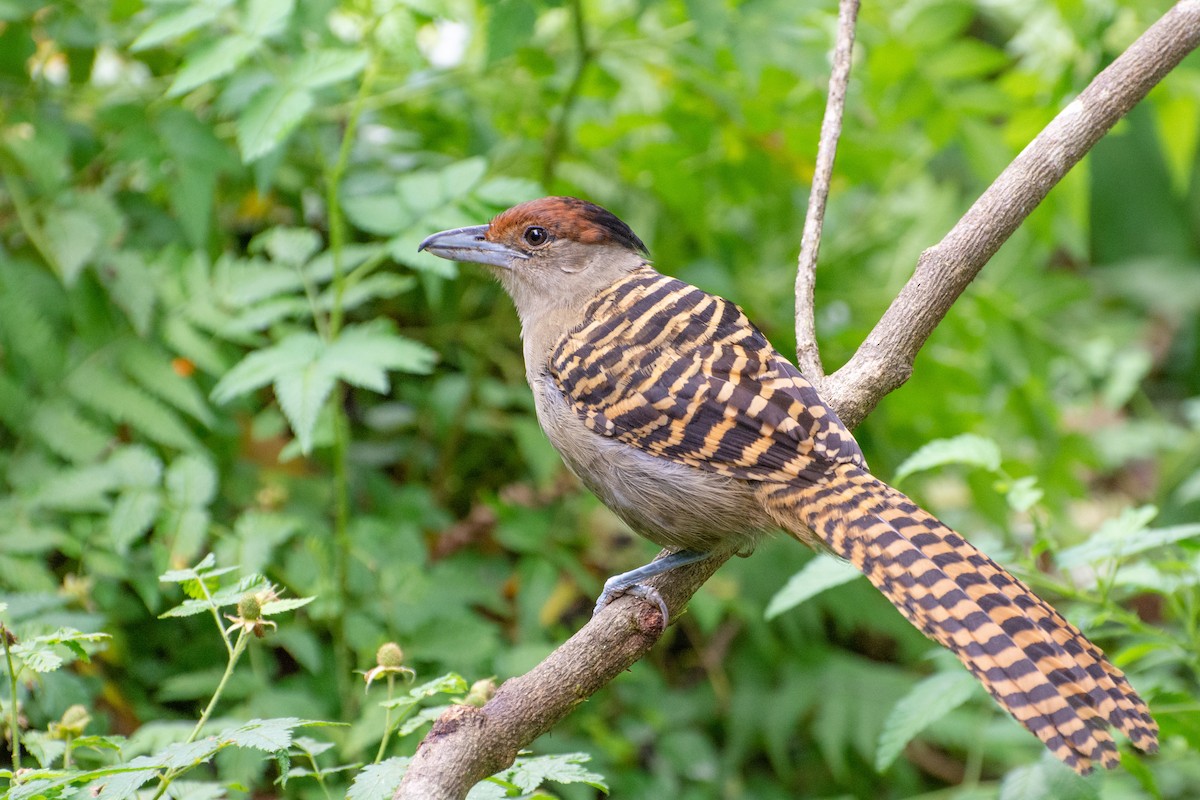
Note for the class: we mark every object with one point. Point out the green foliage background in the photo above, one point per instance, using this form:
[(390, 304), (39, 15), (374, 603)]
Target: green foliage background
[(216, 336)]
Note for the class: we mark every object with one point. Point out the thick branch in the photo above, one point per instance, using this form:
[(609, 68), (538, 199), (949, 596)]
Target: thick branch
[(808, 357), (885, 359), (467, 744)]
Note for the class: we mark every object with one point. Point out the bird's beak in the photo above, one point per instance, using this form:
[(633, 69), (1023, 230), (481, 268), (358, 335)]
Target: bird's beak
[(469, 244)]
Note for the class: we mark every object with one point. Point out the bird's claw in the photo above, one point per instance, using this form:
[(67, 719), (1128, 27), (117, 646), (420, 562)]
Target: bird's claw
[(647, 593)]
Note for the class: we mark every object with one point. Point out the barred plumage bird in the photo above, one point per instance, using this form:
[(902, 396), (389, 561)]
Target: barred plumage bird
[(676, 411)]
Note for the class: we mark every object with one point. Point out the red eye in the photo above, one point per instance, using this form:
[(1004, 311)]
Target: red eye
[(536, 235)]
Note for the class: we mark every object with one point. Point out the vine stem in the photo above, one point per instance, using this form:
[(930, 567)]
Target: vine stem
[(341, 426), (387, 720), (239, 647), (12, 700)]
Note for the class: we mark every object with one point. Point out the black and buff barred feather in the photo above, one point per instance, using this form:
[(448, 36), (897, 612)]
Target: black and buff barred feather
[(683, 375), (675, 409)]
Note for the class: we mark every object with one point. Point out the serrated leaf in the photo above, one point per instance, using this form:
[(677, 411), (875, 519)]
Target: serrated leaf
[(929, 701), (422, 717), (968, 448), (320, 68), (378, 214), (130, 284), (37, 657), (1122, 535), (374, 345), (131, 516), (215, 60), (193, 17), (263, 366), (265, 18), (191, 481), (270, 117), (45, 749), (202, 570), (268, 735), (284, 605), (528, 773), (136, 467), (74, 236), (97, 387), (823, 572), (152, 370), (291, 246), (60, 426), (378, 781), (1048, 779)]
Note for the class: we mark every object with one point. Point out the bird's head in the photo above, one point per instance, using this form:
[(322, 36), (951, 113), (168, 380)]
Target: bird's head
[(550, 252)]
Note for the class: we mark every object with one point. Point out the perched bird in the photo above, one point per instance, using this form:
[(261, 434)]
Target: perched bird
[(674, 409)]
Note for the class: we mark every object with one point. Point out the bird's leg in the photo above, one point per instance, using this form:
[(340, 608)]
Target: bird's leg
[(630, 582)]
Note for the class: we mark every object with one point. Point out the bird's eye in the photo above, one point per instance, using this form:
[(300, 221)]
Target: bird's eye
[(536, 235)]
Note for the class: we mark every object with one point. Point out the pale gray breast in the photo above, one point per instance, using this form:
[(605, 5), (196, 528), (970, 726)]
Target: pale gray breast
[(671, 504)]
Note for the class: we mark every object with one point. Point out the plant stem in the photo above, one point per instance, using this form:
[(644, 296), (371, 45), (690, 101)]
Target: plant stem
[(341, 547), (341, 425), (333, 202), (387, 721), (239, 647), (15, 717), (557, 135)]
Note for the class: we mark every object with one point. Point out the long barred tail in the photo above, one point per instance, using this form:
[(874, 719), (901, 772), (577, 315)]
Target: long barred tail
[(1036, 665)]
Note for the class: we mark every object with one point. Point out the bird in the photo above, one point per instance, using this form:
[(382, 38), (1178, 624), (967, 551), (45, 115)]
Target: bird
[(672, 407)]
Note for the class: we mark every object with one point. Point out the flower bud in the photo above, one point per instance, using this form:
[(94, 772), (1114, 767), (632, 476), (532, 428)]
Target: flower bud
[(481, 691), (389, 654), (249, 608)]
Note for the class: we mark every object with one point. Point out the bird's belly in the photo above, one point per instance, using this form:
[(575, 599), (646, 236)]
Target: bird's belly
[(672, 505)]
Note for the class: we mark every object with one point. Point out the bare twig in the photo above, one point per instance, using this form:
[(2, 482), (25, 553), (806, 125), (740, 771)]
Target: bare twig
[(885, 359), (808, 356), (467, 743)]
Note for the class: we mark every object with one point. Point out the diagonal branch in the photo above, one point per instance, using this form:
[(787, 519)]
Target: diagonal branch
[(808, 357), (885, 359), (467, 744)]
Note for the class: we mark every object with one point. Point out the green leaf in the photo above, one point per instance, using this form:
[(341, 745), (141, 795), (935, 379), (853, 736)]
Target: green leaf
[(129, 283), (823, 572), (1024, 493), (191, 481), (378, 781), (97, 387), (152, 370), (1048, 779), (291, 246), (422, 717), (215, 60), (301, 394), (270, 117), (131, 516), (68, 433), (74, 236), (261, 367), (193, 17), (318, 68), (287, 604), (265, 18), (204, 569), (929, 701), (528, 773), (968, 448), (268, 735), (1122, 535)]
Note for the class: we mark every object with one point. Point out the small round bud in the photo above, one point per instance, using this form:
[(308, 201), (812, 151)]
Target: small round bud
[(74, 720), (249, 608), (481, 691), (389, 654)]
